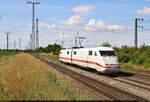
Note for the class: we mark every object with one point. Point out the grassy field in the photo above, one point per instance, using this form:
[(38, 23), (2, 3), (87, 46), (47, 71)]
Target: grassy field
[(23, 77), (129, 67), (7, 53), (49, 54)]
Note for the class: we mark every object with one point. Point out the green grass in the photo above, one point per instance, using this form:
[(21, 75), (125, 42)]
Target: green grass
[(129, 67), (8, 53), (49, 54)]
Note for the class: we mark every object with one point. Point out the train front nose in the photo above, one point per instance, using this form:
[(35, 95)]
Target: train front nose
[(112, 68)]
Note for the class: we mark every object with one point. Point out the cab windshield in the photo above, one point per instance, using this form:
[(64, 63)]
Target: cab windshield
[(107, 53)]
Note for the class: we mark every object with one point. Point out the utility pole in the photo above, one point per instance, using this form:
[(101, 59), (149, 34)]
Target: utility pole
[(136, 25), (37, 34), (33, 22), (14, 44), (31, 42), (76, 39), (20, 43), (7, 33)]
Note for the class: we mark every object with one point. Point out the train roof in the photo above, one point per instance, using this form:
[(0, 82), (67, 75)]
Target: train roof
[(92, 48)]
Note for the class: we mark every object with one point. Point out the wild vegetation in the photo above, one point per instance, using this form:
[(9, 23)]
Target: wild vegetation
[(51, 48), (133, 56), (8, 53), (105, 44), (24, 77)]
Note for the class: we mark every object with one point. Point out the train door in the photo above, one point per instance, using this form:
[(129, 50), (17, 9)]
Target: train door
[(90, 53), (83, 56), (91, 59), (69, 56)]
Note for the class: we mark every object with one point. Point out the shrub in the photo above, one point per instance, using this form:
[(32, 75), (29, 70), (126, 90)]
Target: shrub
[(139, 56), (125, 59)]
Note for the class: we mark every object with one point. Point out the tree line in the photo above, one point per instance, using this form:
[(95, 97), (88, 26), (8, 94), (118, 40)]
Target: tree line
[(51, 48)]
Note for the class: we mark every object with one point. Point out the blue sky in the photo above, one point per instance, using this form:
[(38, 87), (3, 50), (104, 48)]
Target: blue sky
[(98, 20)]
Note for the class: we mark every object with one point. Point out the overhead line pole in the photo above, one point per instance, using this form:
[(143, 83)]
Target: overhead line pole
[(14, 44), (37, 34), (33, 27), (136, 26), (76, 39), (33, 22), (20, 43), (31, 42), (7, 33), (135, 42)]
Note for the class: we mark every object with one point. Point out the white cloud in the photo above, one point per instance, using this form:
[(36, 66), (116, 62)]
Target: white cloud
[(74, 20), (94, 25), (45, 25), (93, 22), (145, 11), (53, 26), (115, 28), (88, 28), (100, 25), (83, 9)]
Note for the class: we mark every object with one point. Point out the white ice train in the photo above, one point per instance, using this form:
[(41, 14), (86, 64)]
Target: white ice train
[(103, 59)]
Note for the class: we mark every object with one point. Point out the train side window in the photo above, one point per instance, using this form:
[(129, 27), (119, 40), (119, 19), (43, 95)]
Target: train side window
[(67, 52), (90, 53), (75, 52), (95, 53)]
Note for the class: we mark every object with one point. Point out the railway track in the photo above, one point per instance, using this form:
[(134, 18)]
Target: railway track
[(123, 74), (131, 82), (139, 82), (128, 81), (140, 76), (111, 92)]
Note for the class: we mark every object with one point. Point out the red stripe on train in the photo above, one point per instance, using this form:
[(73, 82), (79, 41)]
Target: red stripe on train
[(89, 62)]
